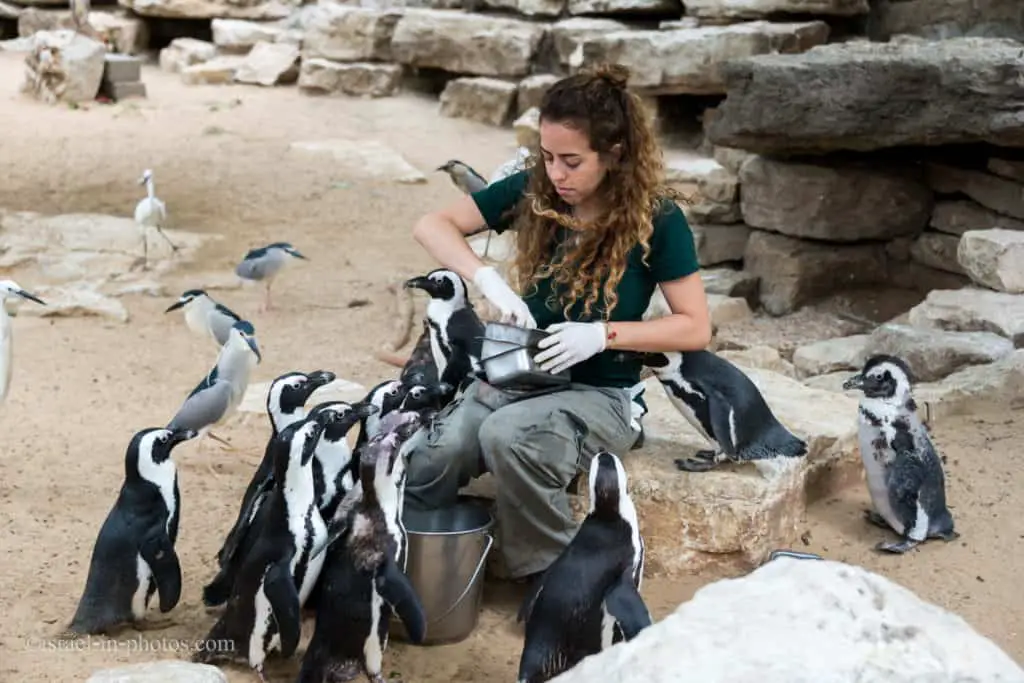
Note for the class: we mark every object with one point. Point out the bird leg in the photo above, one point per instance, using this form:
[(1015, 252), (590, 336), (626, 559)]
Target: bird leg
[(266, 298), (174, 247), (258, 669), (896, 547), (226, 443), (487, 242), (702, 461)]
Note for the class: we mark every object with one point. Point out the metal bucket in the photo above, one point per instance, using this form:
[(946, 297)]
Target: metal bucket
[(447, 552)]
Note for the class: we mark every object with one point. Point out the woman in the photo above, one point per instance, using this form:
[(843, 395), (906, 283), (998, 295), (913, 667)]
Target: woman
[(595, 232)]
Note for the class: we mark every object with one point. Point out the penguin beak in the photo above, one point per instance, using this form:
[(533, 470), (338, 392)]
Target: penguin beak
[(855, 382), (365, 409), (251, 341), (183, 435), (321, 378), (31, 297), (421, 282), (175, 306)]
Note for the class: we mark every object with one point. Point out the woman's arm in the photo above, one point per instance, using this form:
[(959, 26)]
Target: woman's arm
[(687, 328), (443, 234)]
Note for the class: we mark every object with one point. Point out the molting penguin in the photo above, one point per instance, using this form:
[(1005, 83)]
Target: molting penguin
[(361, 582), (725, 407), (904, 473), (386, 396), (286, 400), (134, 556), (451, 316), (421, 359), (278, 573), (592, 588)]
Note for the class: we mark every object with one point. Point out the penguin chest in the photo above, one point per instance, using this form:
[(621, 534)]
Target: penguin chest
[(141, 594), (874, 452), (263, 618), (308, 531), (437, 351), (373, 647)]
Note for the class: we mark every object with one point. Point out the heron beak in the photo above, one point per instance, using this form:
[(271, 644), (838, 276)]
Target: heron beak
[(251, 341), (855, 382), (175, 306), (443, 167), (321, 378), (31, 297), (296, 254)]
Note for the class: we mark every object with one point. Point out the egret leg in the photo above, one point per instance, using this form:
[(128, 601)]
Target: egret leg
[(174, 247)]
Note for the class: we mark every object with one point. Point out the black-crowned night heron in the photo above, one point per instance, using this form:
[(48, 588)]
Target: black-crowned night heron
[(204, 316), (264, 264), (8, 289), (150, 212)]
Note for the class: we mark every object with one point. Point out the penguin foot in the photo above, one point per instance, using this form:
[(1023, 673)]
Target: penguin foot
[(873, 517), (342, 672), (702, 461), (947, 536), (153, 624), (896, 547), (258, 670)]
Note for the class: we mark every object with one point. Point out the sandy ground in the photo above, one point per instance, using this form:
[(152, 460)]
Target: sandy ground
[(83, 386)]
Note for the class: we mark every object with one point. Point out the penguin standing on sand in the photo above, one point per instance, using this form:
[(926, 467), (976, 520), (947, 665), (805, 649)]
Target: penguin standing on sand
[(134, 556), (451, 316), (904, 473), (277, 574), (725, 407), (361, 581), (332, 461), (592, 588)]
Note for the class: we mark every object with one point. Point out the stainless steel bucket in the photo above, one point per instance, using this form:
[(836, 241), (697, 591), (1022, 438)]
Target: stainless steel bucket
[(447, 552)]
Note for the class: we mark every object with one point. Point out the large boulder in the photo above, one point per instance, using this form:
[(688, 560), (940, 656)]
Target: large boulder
[(861, 95), (972, 309), (994, 258), (211, 9), (349, 34), (64, 66), (764, 9), (944, 19), (803, 621)]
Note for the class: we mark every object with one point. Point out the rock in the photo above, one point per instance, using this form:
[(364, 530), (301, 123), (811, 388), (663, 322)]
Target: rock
[(730, 282), (567, 37), (937, 250), (531, 91), (487, 100), (994, 258), (269, 64), (714, 182), (369, 79), (218, 71), (17, 44), (211, 9), (957, 216), (75, 301), (944, 19), (9, 11), (861, 95), (760, 358), (725, 309), (184, 52), (625, 7), (143, 287), (717, 244), (1000, 195), (367, 158), (164, 671), (1007, 168), (527, 128), (128, 35), (933, 354), (466, 43), (972, 309), (240, 36), (63, 66), (976, 389), (836, 203), (344, 33), (730, 158), (734, 516), (804, 620), (794, 272), (692, 61), (764, 9), (254, 402), (830, 355), (673, 24), (832, 381), (915, 276)]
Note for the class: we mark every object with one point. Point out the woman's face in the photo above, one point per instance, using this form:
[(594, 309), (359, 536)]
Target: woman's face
[(574, 168)]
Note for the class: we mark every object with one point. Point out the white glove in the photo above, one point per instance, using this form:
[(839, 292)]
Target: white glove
[(513, 309), (570, 343)]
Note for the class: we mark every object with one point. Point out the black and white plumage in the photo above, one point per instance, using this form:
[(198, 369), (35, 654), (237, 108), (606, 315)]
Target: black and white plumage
[(216, 397), (204, 316), (426, 398), (904, 473), (286, 400), (589, 597), (264, 265), (134, 556), (421, 359), (151, 212), (263, 613), (8, 289), (456, 330), (725, 407), (387, 396), (362, 579)]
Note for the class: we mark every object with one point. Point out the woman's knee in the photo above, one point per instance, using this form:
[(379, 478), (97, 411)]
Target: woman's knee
[(548, 441)]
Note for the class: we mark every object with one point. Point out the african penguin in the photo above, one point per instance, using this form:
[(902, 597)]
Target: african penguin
[(421, 360), (277, 574), (426, 399), (134, 556), (286, 400), (725, 407), (451, 316), (904, 473), (361, 581), (592, 588), (387, 396)]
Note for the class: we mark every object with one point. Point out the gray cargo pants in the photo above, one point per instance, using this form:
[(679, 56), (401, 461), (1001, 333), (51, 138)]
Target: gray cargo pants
[(534, 449)]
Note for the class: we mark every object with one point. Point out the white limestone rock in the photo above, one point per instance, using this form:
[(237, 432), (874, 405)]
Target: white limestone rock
[(184, 52), (64, 66), (164, 671), (994, 258)]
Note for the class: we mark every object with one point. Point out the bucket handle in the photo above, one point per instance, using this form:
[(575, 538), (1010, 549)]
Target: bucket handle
[(469, 584)]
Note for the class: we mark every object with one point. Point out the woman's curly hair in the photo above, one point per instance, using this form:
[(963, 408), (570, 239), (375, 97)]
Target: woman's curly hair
[(598, 105)]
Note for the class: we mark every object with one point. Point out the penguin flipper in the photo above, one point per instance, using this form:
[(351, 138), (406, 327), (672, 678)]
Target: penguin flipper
[(245, 519), (158, 552), (394, 586), (279, 587), (623, 602), (529, 600)]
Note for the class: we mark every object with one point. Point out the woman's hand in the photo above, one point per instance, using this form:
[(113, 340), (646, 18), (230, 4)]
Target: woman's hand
[(513, 309), (570, 343)]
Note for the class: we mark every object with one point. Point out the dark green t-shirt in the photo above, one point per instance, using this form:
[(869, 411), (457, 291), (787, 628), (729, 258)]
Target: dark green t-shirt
[(673, 255)]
